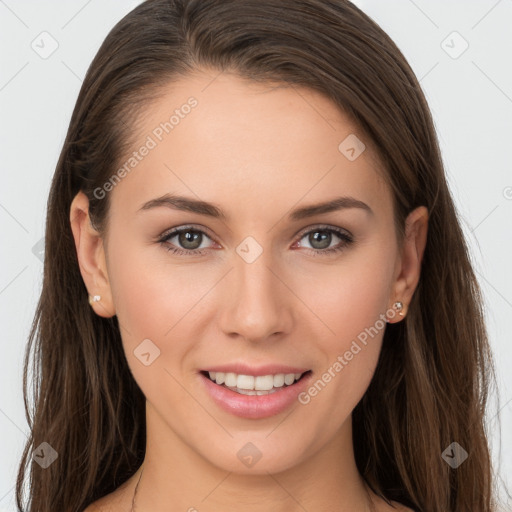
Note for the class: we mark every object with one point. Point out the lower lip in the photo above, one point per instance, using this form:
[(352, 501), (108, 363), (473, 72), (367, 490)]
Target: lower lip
[(255, 406)]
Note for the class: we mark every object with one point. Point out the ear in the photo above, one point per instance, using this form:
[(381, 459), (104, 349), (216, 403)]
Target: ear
[(408, 267), (91, 256)]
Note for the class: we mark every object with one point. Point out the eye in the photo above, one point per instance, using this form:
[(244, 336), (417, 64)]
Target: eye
[(188, 237), (321, 237), (189, 240)]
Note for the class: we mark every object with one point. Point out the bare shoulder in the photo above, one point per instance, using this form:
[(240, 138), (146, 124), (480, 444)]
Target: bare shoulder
[(117, 501), (120, 501)]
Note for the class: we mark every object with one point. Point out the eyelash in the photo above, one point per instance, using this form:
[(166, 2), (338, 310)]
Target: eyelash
[(347, 239)]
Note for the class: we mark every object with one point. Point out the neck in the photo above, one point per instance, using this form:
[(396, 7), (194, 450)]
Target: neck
[(326, 479)]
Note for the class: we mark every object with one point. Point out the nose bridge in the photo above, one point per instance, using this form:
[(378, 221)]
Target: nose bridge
[(256, 307)]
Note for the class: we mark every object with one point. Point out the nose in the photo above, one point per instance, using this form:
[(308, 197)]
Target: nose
[(257, 303)]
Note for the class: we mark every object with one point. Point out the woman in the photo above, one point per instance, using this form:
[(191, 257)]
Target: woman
[(253, 275)]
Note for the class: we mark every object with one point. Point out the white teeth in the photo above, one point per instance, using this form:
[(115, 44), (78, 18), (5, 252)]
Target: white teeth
[(289, 378), (253, 392), (278, 380), (245, 382), (263, 383), (230, 379)]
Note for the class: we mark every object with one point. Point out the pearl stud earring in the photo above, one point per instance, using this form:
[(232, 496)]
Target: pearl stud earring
[(94, 298)]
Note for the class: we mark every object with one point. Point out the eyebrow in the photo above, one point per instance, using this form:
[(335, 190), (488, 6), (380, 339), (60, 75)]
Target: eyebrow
[(204, 208)]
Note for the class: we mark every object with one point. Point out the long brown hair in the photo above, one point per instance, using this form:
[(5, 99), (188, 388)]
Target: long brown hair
[(431, 384)]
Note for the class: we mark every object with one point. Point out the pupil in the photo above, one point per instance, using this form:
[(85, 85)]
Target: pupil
[(186, 238), (324, 239)]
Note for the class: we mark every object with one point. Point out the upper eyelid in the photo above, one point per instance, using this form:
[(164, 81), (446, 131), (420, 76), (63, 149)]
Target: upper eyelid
[(320, 227), (178, 229), (174, 231)]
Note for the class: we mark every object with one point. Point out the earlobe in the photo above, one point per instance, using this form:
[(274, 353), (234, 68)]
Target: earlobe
[(413, 248), (91, 257)]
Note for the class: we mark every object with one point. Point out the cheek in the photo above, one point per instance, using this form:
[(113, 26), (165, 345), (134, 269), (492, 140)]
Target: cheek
[(143, 297), (151, 304), (150, 296), (349, 298), (351, 303), (159, 301)]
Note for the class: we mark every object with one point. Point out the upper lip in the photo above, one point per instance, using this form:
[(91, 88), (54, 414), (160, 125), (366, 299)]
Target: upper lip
[(256, 371)]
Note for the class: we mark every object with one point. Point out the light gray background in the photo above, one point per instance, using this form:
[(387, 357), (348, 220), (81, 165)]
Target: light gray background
[(470, 95)]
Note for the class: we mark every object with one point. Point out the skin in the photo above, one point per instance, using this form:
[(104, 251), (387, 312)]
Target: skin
[(256, 152)]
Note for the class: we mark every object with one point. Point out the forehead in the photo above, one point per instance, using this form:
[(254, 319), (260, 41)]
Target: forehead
[(236, 142)]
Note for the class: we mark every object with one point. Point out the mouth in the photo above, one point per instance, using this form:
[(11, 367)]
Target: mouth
[(255, 385), (254, 396)]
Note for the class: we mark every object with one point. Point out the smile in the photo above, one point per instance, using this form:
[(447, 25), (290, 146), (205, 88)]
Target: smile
[(251, 385), (254, 397)]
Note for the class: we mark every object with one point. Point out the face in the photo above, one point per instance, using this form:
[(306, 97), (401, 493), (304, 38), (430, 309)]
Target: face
[(249, 285)]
